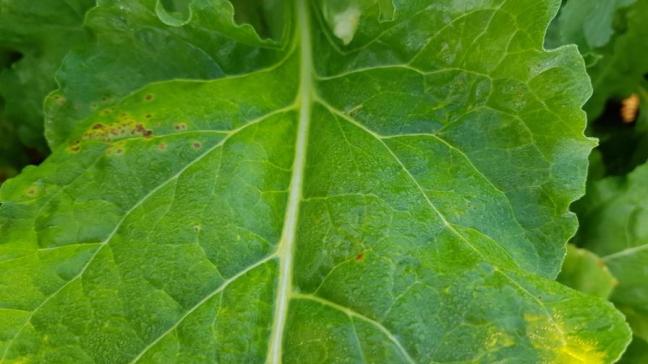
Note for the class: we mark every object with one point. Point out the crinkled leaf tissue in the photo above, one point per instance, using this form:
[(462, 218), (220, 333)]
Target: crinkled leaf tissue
[(305, 182)]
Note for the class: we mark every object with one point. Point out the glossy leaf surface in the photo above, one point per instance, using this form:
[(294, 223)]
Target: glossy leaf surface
[(395, 188)]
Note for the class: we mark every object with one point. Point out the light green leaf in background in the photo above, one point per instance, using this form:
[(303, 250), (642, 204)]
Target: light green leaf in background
[(34, 38), (614, 225), (623, 67), (586, 23), (587, 273), (393, 191)]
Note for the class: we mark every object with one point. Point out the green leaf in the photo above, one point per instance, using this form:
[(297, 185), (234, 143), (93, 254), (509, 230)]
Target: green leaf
[(637, 352), (34, 37), (587, 273), (402, 197), (614, 217), (141, 41), (622, 69), (586, 23)]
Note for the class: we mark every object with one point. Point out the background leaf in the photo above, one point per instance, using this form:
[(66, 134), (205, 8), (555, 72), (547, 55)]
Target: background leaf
[(614, 217), (34, 37), (587, 273)]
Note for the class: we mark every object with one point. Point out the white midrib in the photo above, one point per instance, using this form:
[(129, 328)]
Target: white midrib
[(288, 235)]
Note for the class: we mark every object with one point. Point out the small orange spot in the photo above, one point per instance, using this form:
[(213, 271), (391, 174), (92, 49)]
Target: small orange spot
[(32, 191), (162, 146), (630, 109), (359, 257)]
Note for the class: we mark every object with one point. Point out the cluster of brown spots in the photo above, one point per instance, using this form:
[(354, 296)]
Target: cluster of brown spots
[(180, 126), (123, 129), (141, 130), (74, 147)]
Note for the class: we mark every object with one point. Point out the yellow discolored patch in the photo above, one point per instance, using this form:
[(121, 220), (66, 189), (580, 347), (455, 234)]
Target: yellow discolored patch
[(116, 149), (550, 335)]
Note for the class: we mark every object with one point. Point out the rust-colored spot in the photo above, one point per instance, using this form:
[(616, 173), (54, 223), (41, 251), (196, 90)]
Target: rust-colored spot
[(196, 145), (148, 97), (75, 147), (162, 146), (32, 191), (110, 132), (359, 257), (180, 126)]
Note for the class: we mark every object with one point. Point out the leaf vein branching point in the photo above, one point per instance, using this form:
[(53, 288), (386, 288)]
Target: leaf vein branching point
[(351, 313), (213, 293), (105, 242)]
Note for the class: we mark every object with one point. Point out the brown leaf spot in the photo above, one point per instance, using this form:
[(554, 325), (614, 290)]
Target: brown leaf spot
[(32, 191), (75, 147)]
